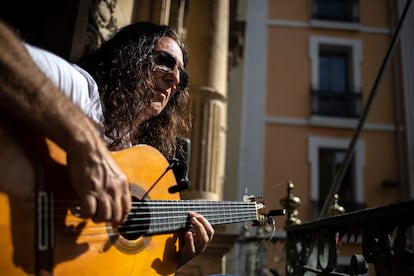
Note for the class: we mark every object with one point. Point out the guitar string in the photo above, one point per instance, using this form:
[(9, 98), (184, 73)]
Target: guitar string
[(158, 224), (181, 202), (96, 231), (173, 221), (212, 216), (208, 205), (178, 205), (89, 231), (157, 209)]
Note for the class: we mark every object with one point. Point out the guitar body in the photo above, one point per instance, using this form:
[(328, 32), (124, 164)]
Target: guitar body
[(40, 232)]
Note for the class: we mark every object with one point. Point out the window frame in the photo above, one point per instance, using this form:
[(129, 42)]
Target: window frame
[(317, 142), (353, 46)]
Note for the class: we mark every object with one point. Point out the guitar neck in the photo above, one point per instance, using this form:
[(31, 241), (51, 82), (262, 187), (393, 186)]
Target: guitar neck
[(167, 216)]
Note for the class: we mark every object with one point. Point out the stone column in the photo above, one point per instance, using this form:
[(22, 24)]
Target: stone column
[(207, 40)]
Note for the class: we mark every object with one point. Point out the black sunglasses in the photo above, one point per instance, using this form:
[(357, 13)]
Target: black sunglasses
[(166, 63)]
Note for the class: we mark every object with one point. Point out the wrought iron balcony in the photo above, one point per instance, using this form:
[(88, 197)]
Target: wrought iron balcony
[(380, 232), (329, 103), (339, 10)]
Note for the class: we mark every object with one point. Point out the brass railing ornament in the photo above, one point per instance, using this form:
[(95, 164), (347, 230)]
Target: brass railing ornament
[(335, 208), (291, 203)]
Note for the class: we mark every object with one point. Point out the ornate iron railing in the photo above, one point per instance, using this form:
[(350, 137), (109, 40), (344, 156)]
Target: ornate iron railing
[(329, 103), (383, 234), (339, 10)]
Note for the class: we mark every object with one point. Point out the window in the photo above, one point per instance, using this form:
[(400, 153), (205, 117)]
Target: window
[(330, 159), (336, 10), (335, 77), (333, 70), (325, 156)]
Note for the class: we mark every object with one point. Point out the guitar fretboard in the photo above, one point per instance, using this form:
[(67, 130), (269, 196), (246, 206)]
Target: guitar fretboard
[(167, 216)]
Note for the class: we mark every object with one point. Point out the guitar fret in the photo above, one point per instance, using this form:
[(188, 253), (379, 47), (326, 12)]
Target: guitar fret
[(164, 225)]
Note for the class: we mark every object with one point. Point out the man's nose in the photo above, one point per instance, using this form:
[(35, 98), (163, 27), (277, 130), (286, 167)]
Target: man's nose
[(174, 76)]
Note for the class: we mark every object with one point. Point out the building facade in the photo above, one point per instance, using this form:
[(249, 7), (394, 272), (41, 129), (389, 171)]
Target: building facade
[(309, 70)]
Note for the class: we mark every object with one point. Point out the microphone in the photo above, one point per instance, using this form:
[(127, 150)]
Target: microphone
[(179, 165)]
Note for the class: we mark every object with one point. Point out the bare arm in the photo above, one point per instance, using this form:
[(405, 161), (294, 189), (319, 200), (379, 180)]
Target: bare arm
[(27, 94)]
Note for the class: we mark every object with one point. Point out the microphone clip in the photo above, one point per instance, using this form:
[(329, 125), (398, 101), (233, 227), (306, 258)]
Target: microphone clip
[(180, 170)]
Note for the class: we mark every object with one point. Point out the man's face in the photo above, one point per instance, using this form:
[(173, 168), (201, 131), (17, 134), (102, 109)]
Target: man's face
[(168, 72)]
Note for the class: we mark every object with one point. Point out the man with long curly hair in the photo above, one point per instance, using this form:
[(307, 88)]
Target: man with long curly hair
[(132, 90)]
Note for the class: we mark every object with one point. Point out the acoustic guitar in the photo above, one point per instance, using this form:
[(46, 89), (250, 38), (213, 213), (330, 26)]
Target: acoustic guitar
[(41, 233)]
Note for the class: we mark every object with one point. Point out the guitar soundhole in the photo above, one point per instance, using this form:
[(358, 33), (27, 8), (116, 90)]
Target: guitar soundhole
[(138, 221)]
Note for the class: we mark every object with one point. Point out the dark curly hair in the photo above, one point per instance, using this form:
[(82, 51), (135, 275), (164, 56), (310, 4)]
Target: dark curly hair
[(122, 68)]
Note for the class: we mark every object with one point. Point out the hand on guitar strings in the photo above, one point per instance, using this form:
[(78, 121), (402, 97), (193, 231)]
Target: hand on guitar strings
[(193, 242), (101, 185)]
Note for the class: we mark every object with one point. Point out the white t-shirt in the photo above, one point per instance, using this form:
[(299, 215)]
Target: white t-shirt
[(77, 84)]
